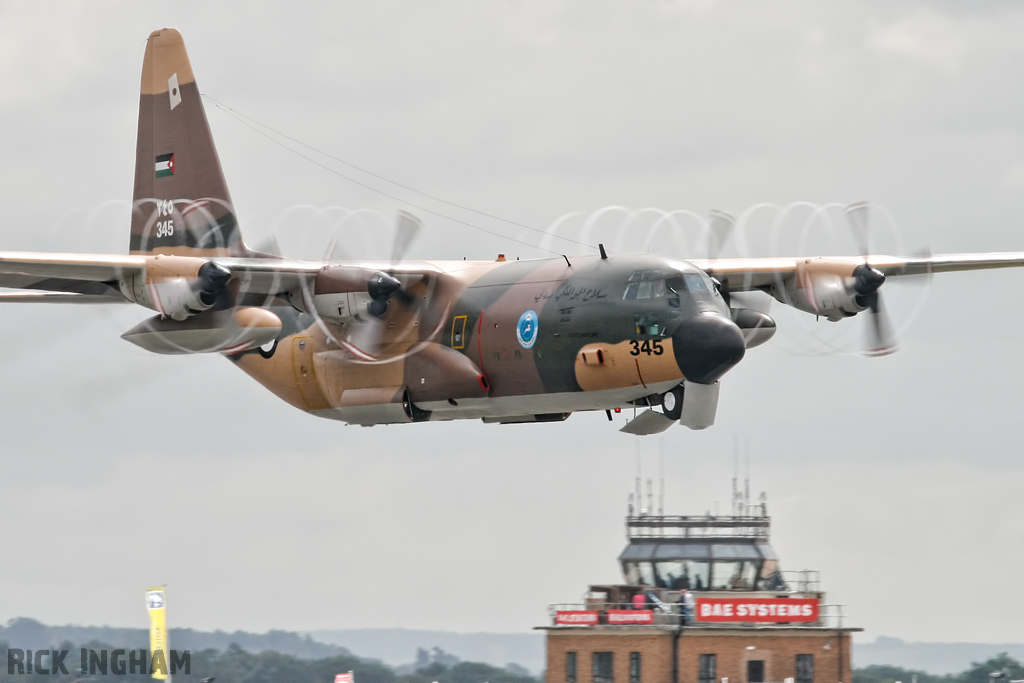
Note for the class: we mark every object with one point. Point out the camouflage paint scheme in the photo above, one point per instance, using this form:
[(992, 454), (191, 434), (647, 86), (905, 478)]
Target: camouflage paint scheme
[(609, 332), (438, 353)]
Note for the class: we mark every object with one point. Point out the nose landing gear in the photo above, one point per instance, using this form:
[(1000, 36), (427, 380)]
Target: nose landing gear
[(672, 403)]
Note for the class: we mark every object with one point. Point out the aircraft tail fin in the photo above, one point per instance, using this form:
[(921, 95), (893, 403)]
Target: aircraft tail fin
[(181, 203)]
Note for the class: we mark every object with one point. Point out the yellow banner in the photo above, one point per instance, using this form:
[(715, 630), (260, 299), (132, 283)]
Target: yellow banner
[(156, 602)]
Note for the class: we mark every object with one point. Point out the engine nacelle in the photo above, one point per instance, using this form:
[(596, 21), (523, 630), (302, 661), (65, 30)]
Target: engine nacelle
[(342, 307), (344, 295), (178, 287), (819, 289)]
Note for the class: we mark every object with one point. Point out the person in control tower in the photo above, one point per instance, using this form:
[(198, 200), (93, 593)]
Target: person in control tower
[(686, 606), (639, 600)]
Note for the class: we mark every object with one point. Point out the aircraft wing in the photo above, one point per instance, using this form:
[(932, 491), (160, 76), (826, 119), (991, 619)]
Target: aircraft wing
[(66, 278), (95, 278), (757, 273), (59, 298)]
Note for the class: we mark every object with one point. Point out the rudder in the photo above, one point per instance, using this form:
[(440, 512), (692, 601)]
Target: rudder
[(181, 203)]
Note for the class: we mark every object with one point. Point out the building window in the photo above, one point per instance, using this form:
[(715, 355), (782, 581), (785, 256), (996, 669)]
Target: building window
[(634, 667), (706, 674), (805, 669), (603, 664), (755, 671), (570, 667)]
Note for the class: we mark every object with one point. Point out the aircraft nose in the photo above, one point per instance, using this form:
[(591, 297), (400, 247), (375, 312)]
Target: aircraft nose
[(707, 346)]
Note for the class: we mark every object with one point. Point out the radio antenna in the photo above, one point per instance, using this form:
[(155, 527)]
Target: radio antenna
[(637, 484), (661, 478), (650, 495), (735, 503), (746, 482)]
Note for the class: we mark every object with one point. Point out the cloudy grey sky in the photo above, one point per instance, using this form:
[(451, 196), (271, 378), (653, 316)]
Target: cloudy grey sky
[(899, 478)]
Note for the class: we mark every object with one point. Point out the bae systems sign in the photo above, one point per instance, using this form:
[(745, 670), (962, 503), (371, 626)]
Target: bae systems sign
[(757, 609)]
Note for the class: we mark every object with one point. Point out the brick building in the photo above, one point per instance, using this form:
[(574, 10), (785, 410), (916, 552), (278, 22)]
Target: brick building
[(746, 620)]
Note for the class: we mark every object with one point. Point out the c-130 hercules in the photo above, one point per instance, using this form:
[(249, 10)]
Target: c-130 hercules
[(383, 343)]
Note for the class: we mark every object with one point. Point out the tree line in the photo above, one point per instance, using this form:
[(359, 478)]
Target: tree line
[(235, 665), (978, 672)]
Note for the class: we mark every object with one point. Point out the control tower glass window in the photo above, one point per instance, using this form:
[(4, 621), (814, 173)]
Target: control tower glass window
[(734, 576), (678, 574), (726, 575), (640, 574), (771, 579)]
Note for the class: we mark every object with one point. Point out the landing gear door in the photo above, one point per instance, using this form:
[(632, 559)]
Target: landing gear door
[(700, 405)]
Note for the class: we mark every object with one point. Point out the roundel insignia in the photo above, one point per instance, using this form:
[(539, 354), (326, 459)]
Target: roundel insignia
[(526, 330)]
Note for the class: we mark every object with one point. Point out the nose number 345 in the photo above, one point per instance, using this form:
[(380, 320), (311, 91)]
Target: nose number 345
[(647, 346)]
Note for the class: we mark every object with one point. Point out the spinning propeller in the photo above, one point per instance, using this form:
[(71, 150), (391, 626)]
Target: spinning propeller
[(364, 336), (720, 228), (867, 281)]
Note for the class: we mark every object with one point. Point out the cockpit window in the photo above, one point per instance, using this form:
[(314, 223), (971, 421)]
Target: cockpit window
[(695, 283), (688, 282), (645, 284)]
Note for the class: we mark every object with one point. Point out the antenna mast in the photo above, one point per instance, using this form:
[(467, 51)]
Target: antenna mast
[(650, 495), (661, 478), (638, 483), (736, 502), (746, 482)]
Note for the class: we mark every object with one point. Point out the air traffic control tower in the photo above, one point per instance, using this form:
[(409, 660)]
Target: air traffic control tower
[(749, 621)]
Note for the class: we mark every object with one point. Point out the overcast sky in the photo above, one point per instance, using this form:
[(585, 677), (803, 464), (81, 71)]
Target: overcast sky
[(899, 478)]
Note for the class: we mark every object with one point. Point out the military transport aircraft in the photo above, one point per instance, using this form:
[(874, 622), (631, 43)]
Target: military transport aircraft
[(397, 342)]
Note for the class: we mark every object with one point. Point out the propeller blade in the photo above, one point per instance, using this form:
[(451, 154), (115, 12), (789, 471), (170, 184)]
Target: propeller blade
[(922, 278), (858, 218), (754, 300), (720, 227), (364, 341), (269, 247), (868, 281), (405, 232), (881, 337)]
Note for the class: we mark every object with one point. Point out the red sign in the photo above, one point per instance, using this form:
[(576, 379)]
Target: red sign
[(576, 618), (344, 678), (757, 609), (630, 616)]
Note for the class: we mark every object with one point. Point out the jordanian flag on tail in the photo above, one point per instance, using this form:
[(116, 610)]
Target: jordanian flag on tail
[(164, 165)]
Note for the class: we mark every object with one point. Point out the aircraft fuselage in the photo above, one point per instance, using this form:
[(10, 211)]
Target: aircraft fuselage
[(511, 341)]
